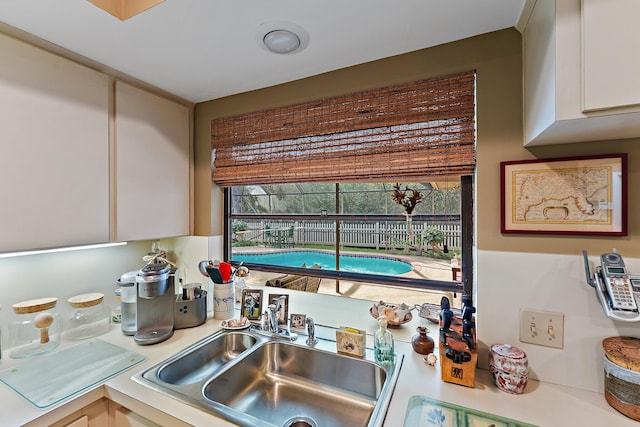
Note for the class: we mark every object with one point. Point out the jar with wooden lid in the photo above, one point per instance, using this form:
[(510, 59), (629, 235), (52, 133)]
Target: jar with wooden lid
[(34, 327), (87, 317)]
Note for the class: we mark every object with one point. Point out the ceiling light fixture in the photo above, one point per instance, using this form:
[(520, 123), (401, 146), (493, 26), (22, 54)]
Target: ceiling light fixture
[(125, 9), (281, 41), (281, 37)]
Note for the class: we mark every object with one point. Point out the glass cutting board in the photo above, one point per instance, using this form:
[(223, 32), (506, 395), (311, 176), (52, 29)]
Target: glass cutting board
[(425, 412), (53, 377)]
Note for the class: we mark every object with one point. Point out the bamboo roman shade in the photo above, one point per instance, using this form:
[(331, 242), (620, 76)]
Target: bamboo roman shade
[(423, 129)]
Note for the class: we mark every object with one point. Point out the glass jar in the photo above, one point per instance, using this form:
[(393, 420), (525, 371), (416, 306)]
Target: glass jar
[(34, 328), (88, 317)]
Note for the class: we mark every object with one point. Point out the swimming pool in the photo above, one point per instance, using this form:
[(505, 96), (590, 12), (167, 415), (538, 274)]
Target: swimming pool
[(353, 263)]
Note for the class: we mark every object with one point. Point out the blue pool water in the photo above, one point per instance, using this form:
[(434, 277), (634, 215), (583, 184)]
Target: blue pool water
[(353, 263)]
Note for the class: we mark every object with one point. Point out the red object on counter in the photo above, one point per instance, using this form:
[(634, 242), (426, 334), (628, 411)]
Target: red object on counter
[(225, 271)]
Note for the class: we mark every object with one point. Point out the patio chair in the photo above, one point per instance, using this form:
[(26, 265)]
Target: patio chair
[(269, 238), (287, 240)]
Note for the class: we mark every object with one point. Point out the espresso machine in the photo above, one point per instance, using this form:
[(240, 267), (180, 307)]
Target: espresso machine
[(155, 303)]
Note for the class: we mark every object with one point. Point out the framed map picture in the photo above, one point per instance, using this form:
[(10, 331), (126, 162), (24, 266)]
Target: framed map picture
[(573, 195)]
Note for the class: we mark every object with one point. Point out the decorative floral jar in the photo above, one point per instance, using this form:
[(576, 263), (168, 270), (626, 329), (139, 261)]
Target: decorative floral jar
[(510, 368)]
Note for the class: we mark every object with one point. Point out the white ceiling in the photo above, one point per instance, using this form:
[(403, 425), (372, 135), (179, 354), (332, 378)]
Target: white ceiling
[(206, 49)]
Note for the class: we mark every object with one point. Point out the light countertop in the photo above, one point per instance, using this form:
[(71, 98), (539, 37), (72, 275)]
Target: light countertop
[(542, 404)]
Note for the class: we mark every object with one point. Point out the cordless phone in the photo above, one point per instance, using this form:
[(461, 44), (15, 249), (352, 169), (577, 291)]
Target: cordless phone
[(617, 290), (617, 282)]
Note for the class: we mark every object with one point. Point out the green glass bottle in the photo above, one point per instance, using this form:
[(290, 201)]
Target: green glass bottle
[(383, 342)]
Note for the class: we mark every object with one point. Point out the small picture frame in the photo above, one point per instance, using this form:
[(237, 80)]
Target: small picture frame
[(283, 314), (251, 304), (297, 320)]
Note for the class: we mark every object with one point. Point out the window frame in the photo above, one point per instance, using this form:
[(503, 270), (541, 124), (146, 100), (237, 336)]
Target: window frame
[(465, 286)]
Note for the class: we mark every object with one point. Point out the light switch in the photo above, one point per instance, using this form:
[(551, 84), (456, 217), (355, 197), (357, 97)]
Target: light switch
[(542, 328)]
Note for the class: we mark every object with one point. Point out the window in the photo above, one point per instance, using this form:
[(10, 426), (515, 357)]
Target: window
[(354, 231)]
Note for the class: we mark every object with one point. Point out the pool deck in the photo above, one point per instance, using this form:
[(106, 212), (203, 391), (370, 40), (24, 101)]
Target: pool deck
[(424, 267)]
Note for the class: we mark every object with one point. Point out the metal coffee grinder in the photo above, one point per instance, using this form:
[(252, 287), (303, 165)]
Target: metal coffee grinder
[(156, 296)]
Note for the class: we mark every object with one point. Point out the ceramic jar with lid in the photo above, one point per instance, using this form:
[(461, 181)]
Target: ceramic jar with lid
[(510, 368), (34, 328), (88, 316)]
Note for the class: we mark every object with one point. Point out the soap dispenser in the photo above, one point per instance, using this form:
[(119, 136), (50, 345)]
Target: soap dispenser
[(383, 342)]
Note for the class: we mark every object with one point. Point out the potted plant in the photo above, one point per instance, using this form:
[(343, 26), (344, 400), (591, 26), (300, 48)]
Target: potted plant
[(236, 227), (433, 236), (407, 198)]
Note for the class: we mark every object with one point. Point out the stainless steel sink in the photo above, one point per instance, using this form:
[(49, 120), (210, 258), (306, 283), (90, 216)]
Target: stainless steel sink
[(203, 361), (254, 380)]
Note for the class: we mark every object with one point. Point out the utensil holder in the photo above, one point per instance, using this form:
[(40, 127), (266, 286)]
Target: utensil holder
[(224, 301), (190, 313)]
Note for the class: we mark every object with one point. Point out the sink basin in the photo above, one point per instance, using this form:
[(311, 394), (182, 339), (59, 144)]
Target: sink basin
[(253, 380), (279, 381), (204, 360)]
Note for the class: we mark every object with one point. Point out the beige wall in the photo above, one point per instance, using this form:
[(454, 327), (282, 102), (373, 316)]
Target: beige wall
[(512, 271), (498, 61), (495, 56)]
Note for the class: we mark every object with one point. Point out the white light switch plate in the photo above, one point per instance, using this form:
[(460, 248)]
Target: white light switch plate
[(542, 328)]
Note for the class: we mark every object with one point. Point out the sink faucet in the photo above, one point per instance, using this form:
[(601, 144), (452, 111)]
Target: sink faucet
[(272, 313), (311, 332)]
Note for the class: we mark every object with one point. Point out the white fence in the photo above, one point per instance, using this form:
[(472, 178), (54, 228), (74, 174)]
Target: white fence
[(378, 235)]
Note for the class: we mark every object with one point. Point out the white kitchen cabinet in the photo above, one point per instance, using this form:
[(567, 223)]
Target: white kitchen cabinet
[(152, 168), (610, 53), (54, 134), (579, 60)]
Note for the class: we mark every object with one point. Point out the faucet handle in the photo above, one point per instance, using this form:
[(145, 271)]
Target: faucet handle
[(311, 332)]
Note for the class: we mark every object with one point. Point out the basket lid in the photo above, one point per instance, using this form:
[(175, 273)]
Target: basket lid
[(623, 351)]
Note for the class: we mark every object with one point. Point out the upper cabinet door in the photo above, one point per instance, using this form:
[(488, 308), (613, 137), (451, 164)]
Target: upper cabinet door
[(54, 164), (580, 57), (610, 53), (152, 166)]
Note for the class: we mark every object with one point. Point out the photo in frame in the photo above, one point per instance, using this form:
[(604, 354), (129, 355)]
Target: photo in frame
[(251, 303), (573, 195), (297, 320), (283, 314)]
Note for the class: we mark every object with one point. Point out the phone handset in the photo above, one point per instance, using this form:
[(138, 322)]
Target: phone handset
[(617, 282), (616, 289)]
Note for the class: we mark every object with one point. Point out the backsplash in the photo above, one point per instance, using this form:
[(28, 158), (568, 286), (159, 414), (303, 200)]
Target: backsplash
[(65, 274)]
